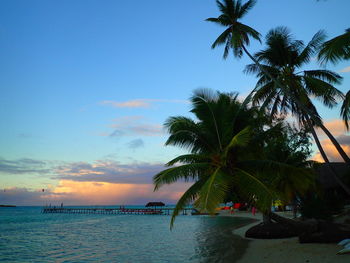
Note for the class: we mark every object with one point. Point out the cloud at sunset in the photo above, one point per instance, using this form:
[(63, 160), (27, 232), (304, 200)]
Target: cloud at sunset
[(108, 171), (336, 127), (93, 193), (135, 125), (23, 166), (102, 182)]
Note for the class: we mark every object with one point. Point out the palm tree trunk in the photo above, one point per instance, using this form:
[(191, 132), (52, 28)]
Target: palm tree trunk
[(336, 144), (325, 158), (266, 218), (304, 108)]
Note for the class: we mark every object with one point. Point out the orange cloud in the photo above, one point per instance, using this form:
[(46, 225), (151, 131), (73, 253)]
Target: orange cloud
[(103, 193), (336, 127), (331, 152)]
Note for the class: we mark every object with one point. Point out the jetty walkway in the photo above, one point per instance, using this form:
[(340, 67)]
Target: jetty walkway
[(113, 211)]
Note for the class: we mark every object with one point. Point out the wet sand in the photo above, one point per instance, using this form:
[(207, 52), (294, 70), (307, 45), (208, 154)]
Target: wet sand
[(287, 250)]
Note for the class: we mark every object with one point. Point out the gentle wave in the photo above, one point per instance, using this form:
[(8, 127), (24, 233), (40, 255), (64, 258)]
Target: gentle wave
[(27, 235)]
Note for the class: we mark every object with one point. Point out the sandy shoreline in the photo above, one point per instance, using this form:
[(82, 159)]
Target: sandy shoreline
[(287, 250)]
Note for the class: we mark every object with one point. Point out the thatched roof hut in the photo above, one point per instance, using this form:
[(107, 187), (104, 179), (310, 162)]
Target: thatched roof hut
[(155, 204)]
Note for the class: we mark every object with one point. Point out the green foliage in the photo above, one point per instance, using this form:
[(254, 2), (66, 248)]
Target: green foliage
[(336, 49), (284, 59), (227, 145)]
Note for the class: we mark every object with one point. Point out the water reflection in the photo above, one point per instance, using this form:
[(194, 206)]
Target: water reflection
[(217, 243)]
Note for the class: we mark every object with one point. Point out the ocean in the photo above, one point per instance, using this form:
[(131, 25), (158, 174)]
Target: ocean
[(27, 235)]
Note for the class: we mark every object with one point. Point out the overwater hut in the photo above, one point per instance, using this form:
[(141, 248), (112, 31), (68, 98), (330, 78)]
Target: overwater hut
[(155, 204)]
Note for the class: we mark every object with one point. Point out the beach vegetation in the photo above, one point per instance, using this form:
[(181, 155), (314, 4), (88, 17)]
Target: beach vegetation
[(226, 151), (285, 58), (236, 37)]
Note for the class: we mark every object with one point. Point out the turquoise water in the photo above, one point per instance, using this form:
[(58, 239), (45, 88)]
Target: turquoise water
[(27, 235)]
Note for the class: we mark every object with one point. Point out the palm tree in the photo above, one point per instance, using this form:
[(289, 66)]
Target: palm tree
[(284, 58), (221, 155), (236, 37), (336, 49)]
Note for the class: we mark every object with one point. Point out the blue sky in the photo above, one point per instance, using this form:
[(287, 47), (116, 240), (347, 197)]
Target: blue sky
[(92, 82)]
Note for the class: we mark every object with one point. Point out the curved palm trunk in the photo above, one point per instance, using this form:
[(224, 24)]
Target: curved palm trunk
[(336, 144), (325, 158), (304, 108)]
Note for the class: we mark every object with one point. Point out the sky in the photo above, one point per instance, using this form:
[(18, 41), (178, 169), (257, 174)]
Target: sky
[(86, 86)]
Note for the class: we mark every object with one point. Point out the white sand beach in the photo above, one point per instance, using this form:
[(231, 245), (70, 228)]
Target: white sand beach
[(287, 250)]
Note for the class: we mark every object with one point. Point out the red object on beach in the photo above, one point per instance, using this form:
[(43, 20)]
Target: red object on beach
[(253, 210)]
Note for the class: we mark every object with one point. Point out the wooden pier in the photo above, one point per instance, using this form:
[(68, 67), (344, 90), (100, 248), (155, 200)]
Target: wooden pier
[(114, 211)]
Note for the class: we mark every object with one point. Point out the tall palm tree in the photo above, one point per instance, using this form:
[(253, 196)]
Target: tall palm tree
[(284, 58), (334, 50), (221, 155), (236, 37)]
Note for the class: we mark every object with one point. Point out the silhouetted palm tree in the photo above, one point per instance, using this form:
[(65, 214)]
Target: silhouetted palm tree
[(220, 154), (284, 58), (236, 37)]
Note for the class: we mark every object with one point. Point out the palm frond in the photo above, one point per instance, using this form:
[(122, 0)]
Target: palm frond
[(322, 91), (245, 8), (248, 31), (345, 110), (188, 197), (311, 48), (203, 102), (213, 191), (326, 75), (186, 172), (189, 158), (223, 38), (336, 49), (240, 139), (186, 133), (254, 189)]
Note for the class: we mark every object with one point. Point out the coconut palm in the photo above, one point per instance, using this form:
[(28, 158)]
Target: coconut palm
[(284, 58), (221, 155), (336, 49), (236, 37)]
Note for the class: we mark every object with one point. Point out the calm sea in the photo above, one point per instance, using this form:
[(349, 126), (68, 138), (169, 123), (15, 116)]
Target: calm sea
[(27, 235)]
